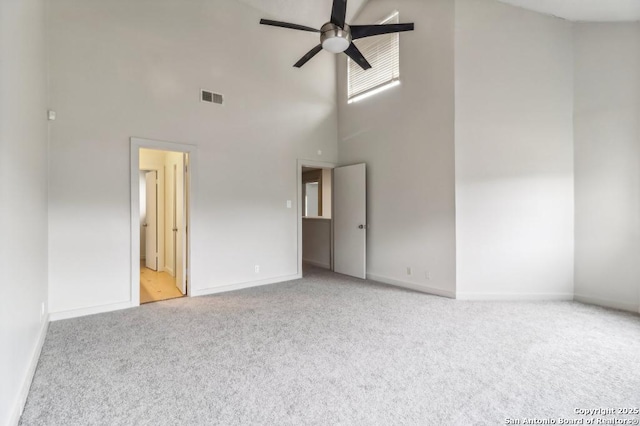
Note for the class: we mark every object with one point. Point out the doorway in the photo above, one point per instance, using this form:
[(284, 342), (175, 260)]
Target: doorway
[(317, 244), (161, 197), (332, 217), (163, 230)]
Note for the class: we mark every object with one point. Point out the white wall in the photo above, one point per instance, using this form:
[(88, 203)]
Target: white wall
[(514, 152), (607, 163), (23, 198), (121, 69), (406, 137), (316, 242)]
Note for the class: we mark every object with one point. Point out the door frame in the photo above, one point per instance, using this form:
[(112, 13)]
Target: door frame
[(319, 165), (191, 150)]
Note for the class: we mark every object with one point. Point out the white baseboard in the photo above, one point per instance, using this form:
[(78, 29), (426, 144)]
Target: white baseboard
[(169, 270), (624, 306), (74, 313), (318, 264), (515, 297), (412, 286), (14, 418), (243, 285)]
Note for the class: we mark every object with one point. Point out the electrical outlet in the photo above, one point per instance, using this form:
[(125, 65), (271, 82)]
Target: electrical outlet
[(427, 275), (257, 269), (320, 152), (409, 270)]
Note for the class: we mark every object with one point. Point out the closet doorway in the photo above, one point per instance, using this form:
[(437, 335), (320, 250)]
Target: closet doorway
[(316, 209), (332, 217)]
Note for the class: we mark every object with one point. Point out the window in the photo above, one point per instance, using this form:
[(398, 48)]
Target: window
[(312, 193), (383, 53)]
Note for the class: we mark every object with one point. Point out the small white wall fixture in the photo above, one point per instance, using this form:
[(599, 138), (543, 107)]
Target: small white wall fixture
[(136, 145)]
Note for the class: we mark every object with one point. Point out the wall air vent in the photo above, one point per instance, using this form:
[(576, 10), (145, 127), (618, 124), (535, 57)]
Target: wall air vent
[(210, 97)]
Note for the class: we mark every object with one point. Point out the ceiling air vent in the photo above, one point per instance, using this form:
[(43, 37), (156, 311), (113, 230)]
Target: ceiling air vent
[(210, 97)]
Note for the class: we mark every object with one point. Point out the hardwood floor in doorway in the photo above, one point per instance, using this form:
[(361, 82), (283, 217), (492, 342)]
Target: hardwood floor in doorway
[(156, 286)]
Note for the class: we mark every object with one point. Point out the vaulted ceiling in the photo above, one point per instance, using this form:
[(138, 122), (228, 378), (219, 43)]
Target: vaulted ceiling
[(584, 10), (313, 13), (316, 12)]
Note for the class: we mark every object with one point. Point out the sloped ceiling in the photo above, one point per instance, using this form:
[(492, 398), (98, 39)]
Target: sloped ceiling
[(584, 10), (313, 13), (316, 12)]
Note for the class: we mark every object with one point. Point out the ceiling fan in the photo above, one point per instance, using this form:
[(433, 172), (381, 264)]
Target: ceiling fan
[(337, 37)]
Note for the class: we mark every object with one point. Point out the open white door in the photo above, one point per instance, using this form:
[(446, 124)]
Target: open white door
[(151, 225), (350, 220), (180, 226)]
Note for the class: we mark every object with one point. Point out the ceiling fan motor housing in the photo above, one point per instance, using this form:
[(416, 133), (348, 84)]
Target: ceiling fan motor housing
[(335, 39)]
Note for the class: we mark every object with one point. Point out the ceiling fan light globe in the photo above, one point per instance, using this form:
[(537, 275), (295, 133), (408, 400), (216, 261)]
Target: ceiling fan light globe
[(336, 44), (335, 39)]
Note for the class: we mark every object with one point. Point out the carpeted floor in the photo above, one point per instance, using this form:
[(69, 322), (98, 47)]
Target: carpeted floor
[(333, 350)]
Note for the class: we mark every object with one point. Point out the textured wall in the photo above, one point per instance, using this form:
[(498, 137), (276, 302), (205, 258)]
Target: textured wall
[(23, 198), (607, 161), (134, 68), (406, 137), (514, 152)]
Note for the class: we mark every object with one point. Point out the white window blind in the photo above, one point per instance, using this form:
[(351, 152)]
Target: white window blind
[(383, 53)]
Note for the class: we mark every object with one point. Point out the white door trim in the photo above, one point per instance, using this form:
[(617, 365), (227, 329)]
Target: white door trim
[(319, 165), (136, 144)]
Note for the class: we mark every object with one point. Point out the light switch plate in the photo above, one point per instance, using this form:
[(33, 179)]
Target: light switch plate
[(288, 204)]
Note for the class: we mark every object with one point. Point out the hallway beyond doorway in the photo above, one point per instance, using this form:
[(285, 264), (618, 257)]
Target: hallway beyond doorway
[(156, 286), (162, 199)]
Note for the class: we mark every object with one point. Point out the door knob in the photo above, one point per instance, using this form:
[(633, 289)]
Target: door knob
[(145, 225), (361, 226)]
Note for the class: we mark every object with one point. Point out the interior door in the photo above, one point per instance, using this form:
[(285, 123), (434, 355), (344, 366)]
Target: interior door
[(350, 220), (180, 225), (151, 225)]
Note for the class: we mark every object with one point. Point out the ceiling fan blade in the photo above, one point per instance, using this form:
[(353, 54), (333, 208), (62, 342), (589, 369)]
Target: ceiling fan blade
[(288, 25), (339, 12), (355, 54), (362, 31), (313, 52)]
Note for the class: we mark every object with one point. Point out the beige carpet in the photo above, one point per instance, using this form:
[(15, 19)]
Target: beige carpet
[(329, 350)]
